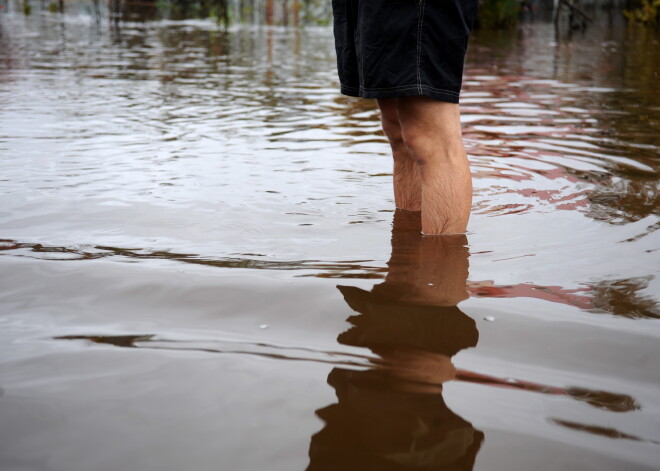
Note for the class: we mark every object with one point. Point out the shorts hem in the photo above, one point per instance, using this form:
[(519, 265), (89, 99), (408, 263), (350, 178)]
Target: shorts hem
[(448, 96)]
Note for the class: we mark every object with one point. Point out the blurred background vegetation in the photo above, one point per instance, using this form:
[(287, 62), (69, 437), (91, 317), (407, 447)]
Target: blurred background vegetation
[(493, 14), (644, 11)]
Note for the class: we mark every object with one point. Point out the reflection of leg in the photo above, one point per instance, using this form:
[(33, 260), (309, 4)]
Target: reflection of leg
[(443, 270), (431, 130), (433, 270), (407, 185), (418, 370), (406, 237)]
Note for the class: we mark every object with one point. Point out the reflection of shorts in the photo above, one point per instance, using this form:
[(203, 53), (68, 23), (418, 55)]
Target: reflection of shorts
[(396, 48)]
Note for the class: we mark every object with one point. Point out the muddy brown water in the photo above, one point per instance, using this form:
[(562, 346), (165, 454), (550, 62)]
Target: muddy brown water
[(202, 269)]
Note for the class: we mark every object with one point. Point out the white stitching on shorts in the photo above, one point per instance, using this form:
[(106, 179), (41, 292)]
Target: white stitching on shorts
[(422, 3), (386, 89), (401, 87)]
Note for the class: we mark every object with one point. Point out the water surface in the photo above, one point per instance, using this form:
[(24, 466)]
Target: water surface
[(201, 266)]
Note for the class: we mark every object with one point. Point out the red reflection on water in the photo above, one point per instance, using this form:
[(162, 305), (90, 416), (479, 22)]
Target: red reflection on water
[(555, 294)]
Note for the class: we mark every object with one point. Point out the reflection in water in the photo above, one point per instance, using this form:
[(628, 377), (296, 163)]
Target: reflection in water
[(126, 341), (555, 294), (619, 297), (418, 369), (604, 400), (246, 260), (624, 298), (177, 149), (393, 416), (602, 431)]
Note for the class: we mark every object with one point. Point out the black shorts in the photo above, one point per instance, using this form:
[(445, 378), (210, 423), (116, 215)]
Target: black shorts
[(397, 48)]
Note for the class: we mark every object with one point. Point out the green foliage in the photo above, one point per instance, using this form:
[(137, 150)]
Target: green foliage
[(647, 13), (316, 12), (498, 14), (27, 8), (53, 8)]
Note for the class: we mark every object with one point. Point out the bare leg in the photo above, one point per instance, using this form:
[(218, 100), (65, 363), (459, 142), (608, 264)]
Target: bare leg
[(407, 183), (431, 130)]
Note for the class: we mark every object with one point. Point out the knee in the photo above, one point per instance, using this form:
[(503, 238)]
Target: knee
[(417, 142), (428, 146)]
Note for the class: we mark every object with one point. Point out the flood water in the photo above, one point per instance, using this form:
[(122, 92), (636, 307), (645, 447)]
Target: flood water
[(202, 269)]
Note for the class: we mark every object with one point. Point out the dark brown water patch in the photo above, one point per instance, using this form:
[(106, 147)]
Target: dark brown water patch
[(128, 341), (604, 400), (601, 431)]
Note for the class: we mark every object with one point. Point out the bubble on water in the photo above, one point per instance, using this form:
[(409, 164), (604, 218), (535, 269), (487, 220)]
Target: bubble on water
[(489, 318), (430, 284), (263, 326)]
